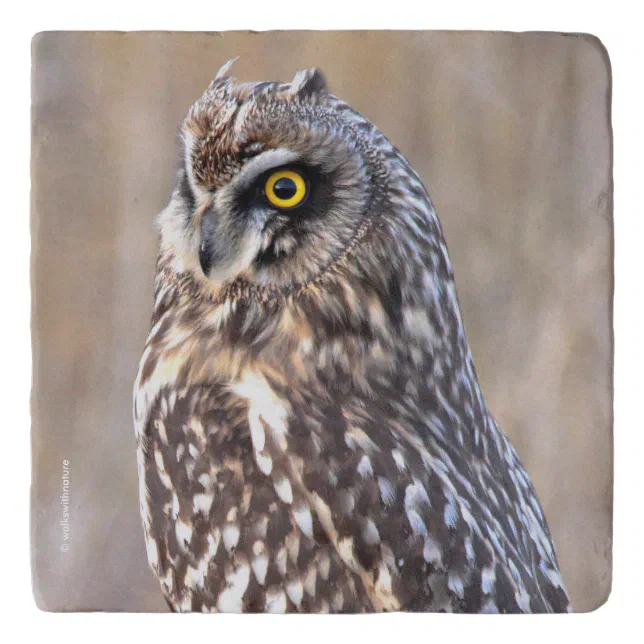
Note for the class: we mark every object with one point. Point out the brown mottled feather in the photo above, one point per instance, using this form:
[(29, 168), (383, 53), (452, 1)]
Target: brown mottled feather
[(312, 436)]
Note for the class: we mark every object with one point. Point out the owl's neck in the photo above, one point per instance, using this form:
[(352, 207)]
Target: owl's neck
[(386, 324), (388, 306)]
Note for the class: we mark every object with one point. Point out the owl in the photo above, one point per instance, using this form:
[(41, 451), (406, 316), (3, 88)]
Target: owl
[(311, 432)]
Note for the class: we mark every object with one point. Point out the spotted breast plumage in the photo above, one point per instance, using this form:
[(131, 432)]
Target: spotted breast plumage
[(311, 432)]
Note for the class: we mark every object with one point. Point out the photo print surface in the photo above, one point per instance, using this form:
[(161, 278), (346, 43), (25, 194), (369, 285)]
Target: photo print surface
[(321, 322)]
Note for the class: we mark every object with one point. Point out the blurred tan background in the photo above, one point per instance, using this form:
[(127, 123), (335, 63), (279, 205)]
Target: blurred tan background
[(511, 135)]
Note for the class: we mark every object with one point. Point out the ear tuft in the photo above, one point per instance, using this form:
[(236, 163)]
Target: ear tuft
[(224, 68), (308, 82)]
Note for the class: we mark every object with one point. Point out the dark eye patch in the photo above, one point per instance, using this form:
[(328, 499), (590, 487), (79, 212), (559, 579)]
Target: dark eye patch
[(186, 193)]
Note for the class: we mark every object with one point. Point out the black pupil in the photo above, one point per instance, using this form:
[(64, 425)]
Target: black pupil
[(284, 188)]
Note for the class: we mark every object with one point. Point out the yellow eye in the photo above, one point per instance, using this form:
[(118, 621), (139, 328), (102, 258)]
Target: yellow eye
[(285, 189)]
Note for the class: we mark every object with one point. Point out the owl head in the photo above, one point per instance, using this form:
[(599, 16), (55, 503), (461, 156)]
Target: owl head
[(277, 181)]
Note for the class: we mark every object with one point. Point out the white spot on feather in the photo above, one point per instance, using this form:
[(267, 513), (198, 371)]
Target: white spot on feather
[(231, 516), (160, 427), (174, 509), (364, 467), (455, 584), (303, 518), (230, 600), (264, 462), (432, 553), (324, 565), (231, 536), (416, 522), (264, 404), (469, 549), (163, 475), (337, 601), (357, 438), (196, 575), (280, 561), (284, 490), (489, 607), (275, 600), (416, 495), (310, 581), (384, 591), (183, 533), (152, 551), (293, 546), (295, 591), (347, 553), (488, 578), (370, 533), (387, 491), (197, 427), (203, 502), (451, 514), (257, 433), (260, 567), (213, 540)]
